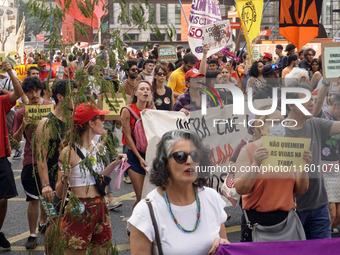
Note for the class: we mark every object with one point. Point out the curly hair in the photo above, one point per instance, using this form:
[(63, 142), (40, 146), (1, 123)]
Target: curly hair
[(253, 71), (160, 173)]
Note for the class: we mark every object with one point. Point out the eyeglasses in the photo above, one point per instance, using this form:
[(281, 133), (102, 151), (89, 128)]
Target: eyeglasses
[(133, 69), (101, 117), (181, 156), (161, 74)]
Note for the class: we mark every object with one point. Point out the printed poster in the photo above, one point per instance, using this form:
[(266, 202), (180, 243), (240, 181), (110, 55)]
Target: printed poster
[(37, 112), (217, 35)]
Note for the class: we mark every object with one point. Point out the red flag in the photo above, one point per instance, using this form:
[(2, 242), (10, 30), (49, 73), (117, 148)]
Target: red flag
[(76, 13), (299, 20)]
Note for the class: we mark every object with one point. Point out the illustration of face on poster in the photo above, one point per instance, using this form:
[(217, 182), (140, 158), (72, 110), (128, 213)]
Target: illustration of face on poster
[(8, 21)]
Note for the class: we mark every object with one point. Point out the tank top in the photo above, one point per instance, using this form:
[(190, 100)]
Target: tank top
[(80, 175), (269, 194), (163, 102)]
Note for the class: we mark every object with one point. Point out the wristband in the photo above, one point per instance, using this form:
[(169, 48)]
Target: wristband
[(45, 185), (326, 84)]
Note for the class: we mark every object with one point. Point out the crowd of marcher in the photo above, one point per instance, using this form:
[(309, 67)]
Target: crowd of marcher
[(182, 214)]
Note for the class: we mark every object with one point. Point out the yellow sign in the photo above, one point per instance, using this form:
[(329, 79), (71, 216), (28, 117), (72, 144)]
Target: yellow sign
[(37, 112), (22, 71), (250, 14), (2, 59), (285, 151)]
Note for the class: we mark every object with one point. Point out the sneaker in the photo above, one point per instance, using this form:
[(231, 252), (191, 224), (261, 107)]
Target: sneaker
[(4, 244), (42, 228), (31, 242), (335, 231), (127, 180), (114, 205), (17, 154)]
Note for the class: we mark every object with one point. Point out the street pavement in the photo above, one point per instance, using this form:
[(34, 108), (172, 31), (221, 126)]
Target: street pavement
[(16, 225)]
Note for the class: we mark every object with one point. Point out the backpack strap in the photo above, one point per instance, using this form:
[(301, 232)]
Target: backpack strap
[(134, 114), (79, 153)]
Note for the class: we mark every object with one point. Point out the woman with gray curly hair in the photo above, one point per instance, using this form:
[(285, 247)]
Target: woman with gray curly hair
[(189, 216)]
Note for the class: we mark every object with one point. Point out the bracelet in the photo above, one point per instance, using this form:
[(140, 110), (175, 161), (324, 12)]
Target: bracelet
[(45, 185), (326, 84)]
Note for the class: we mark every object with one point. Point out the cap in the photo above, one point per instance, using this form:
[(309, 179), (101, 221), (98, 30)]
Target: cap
[(193, 73), (269, 68), (87, 111), (42, 62), (267, 55)]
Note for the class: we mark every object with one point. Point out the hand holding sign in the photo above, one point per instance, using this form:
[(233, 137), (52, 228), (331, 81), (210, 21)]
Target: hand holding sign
[(260, 154)]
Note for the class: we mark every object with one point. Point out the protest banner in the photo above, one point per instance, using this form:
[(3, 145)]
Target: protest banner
[(20, 38), (307, 247), (222, 138), (334, 88), (22, 71), (167, 53), (2, 59), (203, 12), (330, 52), (217, 35), (286, 152), (299, 20), (116, 105), (37, 112), (250, 14)]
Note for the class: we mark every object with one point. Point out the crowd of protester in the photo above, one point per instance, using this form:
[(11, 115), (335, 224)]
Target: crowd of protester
[(181, 201)]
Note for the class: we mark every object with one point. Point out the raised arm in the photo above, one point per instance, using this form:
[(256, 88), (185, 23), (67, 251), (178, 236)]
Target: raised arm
[(17, 90), (203, 65)]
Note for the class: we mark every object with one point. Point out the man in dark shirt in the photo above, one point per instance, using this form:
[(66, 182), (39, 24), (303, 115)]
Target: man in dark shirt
[(307, 62)]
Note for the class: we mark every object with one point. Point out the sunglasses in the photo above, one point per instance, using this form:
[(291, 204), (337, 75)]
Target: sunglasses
[(161, 74), (181, 156), (101, 117), (133, 69)]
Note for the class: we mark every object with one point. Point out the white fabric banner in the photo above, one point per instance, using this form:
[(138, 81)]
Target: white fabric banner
[(203, 12), (20, 39), (222, 138)]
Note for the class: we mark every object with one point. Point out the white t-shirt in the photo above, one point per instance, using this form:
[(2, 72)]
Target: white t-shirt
[(173, 240)]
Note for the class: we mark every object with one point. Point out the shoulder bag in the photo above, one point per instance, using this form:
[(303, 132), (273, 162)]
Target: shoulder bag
[(155, 226), (290, 229)]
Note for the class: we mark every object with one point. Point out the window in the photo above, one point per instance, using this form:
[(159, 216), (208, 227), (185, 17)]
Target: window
[(152, 13), (111, 14), (164, 13), (133, 37), (155, 38), (179, 37), (177, 14)]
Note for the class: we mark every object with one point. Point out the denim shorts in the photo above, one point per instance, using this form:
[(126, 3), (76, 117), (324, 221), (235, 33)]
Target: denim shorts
[(134, 162)]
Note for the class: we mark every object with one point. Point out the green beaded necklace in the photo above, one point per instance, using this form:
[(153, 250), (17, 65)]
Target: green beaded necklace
[(198, 210)]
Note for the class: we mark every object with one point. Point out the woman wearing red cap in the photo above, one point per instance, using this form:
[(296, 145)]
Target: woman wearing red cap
[(86, 222), (136, 159)]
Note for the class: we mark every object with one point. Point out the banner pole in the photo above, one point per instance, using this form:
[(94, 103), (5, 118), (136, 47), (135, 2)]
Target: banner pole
[(185, 16), (245, 44)]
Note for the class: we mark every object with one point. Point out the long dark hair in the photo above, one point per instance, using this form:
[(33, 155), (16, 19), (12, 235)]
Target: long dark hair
[(156, 70)]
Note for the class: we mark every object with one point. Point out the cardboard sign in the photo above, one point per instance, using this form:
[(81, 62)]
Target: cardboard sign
[(330, 52), (167, 53), (119, 102), (286, 152), (37, 112), (217, 35), (2, 59), (22, 71)]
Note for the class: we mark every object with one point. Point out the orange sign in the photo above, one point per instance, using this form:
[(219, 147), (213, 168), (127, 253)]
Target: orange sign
[(299, 20), (235, 25), (22, 71), (232, 14)]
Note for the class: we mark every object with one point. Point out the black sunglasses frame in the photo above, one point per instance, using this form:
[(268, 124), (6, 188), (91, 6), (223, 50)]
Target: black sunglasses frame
[(181, 156)]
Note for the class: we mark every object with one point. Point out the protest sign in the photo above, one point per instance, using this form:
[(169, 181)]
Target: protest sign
[(37, 112), (22, 71), (285, 152), (167, 53), (299, 21), (221, 138), (8, 27), (116, 105), (203, 12), (334, 88), (330, 52), (250, 14), (2, 59), (217, 35)]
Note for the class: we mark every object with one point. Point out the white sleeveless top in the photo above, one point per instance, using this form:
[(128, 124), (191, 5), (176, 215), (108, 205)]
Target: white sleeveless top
[(80, 175)]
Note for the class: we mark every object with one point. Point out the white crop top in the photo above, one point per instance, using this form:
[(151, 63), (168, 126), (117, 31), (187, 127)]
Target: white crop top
[(80, 175)]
